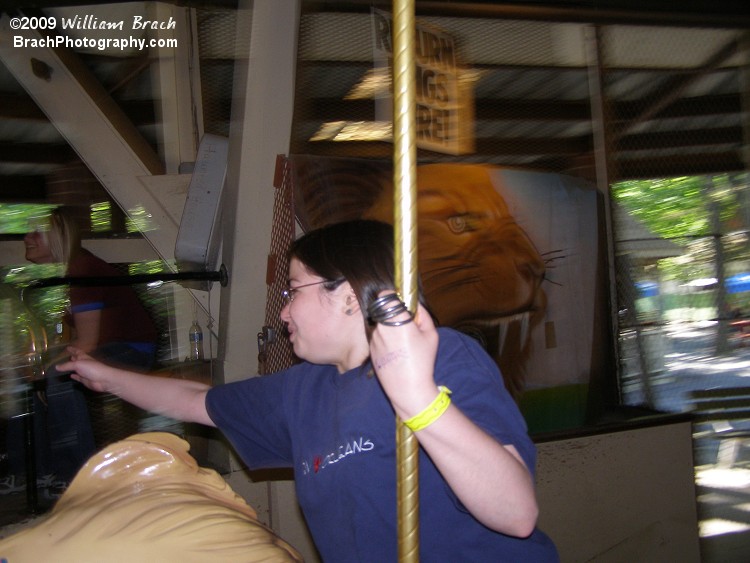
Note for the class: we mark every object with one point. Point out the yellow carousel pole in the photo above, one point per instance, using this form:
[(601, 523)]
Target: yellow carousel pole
[(405, 232)]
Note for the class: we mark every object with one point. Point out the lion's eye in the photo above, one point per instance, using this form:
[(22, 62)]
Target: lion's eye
[(462, 223), (457, 223)]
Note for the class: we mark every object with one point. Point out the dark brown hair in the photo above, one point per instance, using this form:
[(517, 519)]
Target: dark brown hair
[(360, 252)]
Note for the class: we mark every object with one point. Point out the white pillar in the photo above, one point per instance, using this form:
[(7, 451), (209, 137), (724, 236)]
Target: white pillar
[(262, 109)]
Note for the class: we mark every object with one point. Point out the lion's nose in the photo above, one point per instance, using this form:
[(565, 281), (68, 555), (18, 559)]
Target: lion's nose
[(536, 269), (529, 264)]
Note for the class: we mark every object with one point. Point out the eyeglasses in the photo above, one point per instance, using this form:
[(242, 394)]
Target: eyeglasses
[(288, 293)]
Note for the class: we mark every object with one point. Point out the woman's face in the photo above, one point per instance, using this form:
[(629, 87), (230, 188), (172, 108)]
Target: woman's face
[(37, 248), (319, 327)]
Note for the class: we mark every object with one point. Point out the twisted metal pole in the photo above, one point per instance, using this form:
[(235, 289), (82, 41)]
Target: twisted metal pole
[(405, 232)]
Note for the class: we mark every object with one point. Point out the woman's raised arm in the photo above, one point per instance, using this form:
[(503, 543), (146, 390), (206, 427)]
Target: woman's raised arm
[(489, 478), (180, 399)]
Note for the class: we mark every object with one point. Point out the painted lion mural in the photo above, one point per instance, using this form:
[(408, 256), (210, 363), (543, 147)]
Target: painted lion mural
[(480, 271), (146, 499)]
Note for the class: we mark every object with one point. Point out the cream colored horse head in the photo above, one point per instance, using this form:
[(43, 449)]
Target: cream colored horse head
[(146, 499)]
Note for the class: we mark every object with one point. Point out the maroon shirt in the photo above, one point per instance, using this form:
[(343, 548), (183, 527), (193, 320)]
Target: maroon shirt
[(123, 317)]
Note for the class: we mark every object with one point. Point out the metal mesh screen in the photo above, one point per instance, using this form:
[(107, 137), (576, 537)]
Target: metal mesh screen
[(683, 300), (27, 344), (676, 95), (114, 419), (529, 111), (680, 224), (217, 31), (279, 354), (659, 104)]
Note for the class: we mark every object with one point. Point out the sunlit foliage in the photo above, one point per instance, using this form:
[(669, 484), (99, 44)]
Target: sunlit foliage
[(139, 221), (693, 212), (678, 207), (101, 217), (16, 218)]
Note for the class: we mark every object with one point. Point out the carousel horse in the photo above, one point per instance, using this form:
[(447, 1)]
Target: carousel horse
[(146, 499)]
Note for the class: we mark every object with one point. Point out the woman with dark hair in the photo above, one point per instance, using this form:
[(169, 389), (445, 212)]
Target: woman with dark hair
[(332, 418)]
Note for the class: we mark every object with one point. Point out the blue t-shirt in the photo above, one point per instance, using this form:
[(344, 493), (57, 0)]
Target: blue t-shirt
[(337, 431)]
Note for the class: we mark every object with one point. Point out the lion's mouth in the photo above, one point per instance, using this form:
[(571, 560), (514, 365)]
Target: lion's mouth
[(504, 324)]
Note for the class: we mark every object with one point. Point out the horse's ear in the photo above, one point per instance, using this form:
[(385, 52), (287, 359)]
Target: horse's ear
[(330, 190)]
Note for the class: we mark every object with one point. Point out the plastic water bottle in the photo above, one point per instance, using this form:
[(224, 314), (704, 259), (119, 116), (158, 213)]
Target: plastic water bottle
[(59, 337), (196, 342)]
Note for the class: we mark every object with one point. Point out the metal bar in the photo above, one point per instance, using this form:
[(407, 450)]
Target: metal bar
[(32, 494), (405, 233), (94, 281)]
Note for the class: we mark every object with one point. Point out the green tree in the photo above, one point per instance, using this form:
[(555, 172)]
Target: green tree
[(681, 210)]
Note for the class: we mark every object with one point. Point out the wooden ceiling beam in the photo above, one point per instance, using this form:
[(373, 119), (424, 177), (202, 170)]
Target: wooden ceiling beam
[(20, 106), (489, 147), (700, 106), (36, 153), (711, 136), (679, 165), (335, 109), (727, 13), (673, 89), (93, 124), (23, 189)]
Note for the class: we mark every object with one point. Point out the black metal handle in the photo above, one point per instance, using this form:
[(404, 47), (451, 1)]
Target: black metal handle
[(87, 281)]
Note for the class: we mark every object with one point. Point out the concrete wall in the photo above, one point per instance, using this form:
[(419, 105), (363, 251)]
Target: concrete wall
[(625, 495), (263, 101)]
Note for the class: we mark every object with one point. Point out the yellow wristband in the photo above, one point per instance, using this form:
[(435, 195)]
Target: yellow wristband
[(433, 411)]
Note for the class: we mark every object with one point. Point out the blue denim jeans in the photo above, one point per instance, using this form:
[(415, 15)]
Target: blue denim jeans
[(71, 438), (63, 438)]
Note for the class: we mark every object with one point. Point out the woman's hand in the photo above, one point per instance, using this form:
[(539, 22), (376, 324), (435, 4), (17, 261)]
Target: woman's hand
[(404, 360), (180, 399), (489, 478), (85, 369)]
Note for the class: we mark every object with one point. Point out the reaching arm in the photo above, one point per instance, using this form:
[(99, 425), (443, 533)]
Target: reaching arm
[(489, 478), (180, 399)]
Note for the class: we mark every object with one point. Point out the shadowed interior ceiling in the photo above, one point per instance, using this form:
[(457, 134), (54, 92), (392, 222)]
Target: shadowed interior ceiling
[(673, 82)]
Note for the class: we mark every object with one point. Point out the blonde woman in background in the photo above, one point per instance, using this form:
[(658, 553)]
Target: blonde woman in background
[(109, 322)]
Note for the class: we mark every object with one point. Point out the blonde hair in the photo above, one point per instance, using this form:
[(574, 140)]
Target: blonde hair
[(63, 237)]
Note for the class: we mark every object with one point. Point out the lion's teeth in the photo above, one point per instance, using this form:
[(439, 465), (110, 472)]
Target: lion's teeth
[(524, 327), (503, 324), (503, 333)]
